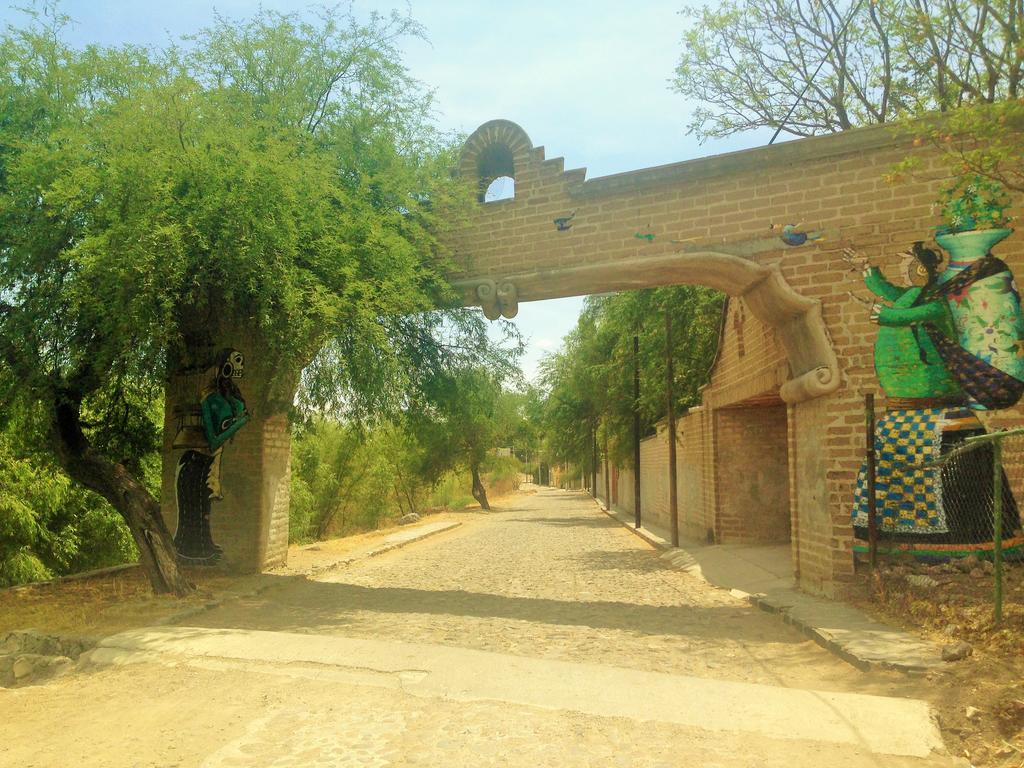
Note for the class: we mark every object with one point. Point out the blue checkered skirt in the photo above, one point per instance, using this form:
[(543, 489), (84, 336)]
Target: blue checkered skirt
[(908, 490)]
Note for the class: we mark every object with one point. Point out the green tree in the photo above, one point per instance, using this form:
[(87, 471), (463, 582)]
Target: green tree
[(49, 526), (843, 63), (462, 421), (588, 383), (276, 177), (946, 73), (347, 478)]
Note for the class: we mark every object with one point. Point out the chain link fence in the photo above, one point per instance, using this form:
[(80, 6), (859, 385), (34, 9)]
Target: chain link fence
[(939, 498)]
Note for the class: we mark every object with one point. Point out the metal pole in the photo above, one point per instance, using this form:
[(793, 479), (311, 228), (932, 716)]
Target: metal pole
[(636, 427), (869, 426), (607, 471), (673, 500), (997, 526)]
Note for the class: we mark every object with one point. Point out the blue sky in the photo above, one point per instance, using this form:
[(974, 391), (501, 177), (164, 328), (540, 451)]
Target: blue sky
[(587, 79)]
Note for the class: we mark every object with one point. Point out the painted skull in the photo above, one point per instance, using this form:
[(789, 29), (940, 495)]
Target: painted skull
[(233, 366)]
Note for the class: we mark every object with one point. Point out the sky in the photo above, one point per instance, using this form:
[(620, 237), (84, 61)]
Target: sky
[(586, 79)]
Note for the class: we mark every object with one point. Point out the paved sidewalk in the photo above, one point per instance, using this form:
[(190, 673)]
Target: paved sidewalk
[(762, 576), (879, 725)]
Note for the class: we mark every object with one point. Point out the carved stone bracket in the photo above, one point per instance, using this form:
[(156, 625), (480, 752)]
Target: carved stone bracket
[(498, 300)]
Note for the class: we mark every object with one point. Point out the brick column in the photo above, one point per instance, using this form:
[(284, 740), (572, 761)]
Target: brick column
[(251, 522)]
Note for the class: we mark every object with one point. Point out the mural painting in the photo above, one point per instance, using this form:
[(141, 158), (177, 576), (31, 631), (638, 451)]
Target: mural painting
[(203, 431), (948, 347)]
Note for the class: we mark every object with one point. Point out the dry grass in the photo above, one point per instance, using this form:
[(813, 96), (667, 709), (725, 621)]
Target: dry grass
[(960, 609), (100, 605)]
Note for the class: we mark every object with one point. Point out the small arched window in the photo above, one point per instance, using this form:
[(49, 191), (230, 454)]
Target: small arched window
[(489, 159), (496, 172)]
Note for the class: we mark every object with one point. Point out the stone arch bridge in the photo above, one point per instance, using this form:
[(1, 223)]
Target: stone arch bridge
[(782, 417)]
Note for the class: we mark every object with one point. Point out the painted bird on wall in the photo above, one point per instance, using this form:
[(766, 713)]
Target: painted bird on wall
[(564, 223), (791, 234)]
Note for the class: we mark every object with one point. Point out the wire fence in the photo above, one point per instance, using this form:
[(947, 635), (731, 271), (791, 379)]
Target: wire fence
[(949, 494)]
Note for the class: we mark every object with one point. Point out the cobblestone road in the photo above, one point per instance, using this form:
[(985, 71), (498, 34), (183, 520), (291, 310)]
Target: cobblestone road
[(551, 576), (547, 576)]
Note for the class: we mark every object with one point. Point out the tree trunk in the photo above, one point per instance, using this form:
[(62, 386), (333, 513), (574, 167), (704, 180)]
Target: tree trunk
[(479, 492), (126, 494)]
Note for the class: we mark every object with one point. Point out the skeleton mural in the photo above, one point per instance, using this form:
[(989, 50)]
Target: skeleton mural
[(945, 351), (202, 431)]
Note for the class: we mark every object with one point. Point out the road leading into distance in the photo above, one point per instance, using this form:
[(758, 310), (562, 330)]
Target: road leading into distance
[(544, 634)]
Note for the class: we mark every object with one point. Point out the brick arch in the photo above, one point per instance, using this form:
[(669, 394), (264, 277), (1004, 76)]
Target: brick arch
[(797, 319), (495, 149)]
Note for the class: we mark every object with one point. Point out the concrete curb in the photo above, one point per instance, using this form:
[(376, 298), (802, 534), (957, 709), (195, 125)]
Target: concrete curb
[(835, 647), (432, 529), (394, 541), (838, 628)]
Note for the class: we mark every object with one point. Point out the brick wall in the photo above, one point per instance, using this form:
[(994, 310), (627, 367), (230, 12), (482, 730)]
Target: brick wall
[(733, 456), (725, 204), (753, 475)]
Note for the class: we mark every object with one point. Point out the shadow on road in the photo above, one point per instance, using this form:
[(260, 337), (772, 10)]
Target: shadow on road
[(638, 560), (588, 521), (300, 605)]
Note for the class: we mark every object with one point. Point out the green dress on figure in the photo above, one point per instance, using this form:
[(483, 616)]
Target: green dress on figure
[(906, 361)]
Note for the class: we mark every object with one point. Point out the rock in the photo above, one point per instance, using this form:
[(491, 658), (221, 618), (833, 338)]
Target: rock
[(921, 581), (977, 573), (55, 666), (957, 651), (27, 641), (37, 667), (7, 668), (972, 713), (412, 517), (951, 629), (967, 564), (22, 668), (988, 567)]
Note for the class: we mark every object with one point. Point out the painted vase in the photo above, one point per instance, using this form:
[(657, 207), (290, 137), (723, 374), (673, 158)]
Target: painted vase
[(987, 313)]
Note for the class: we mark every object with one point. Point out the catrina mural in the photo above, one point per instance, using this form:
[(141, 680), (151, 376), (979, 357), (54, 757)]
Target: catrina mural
[(203, 432), (945, 350)]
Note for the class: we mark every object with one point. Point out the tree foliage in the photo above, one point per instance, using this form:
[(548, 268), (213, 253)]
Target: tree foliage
[(277, 176), (845, 63), (346, 478), (588, 384), (466, 416), (49, 526)]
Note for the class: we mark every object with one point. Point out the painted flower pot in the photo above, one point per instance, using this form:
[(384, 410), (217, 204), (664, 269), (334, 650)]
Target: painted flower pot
[(971, 245), (987, 313)]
